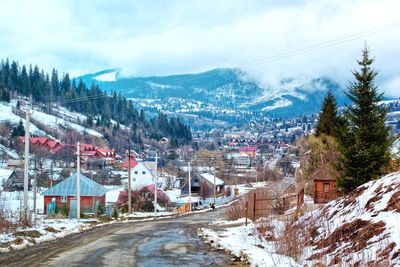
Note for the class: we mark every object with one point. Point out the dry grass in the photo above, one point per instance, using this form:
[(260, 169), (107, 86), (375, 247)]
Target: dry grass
[(30, 233), (236, 210)]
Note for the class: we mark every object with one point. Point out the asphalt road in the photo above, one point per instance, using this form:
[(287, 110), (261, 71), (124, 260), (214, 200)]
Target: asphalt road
[(165, 242)]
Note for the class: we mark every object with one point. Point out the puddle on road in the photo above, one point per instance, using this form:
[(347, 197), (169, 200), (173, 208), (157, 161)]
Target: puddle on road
[(178, 248), (172, 247)]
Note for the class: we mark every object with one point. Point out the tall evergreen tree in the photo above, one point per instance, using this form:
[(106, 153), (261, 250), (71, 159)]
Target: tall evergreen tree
[(364, 138), (328, 119)]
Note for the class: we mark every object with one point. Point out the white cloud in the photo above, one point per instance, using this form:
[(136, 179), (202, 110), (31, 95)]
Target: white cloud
[(156, 38)]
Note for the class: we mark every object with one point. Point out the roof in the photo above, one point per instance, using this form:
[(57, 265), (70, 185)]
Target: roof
[(248, 149), (325, 172), (133, 163), (5, 173), (210, 178), (67, 187)]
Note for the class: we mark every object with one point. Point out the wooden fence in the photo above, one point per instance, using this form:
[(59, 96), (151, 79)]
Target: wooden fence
[(260, 203)]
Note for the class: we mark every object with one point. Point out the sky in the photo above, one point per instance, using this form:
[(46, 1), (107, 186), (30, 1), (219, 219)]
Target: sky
[(146, 38)]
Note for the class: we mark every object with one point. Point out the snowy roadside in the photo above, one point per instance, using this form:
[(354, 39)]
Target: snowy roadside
[(244, 242), (51, 229)]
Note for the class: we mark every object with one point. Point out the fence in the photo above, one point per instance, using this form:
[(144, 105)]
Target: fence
[(259, 203)]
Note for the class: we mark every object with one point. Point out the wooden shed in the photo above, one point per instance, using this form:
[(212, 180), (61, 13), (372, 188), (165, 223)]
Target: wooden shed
[(325, 188)]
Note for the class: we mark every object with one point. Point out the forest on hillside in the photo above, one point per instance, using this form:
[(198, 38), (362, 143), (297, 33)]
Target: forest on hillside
[(107, 110)]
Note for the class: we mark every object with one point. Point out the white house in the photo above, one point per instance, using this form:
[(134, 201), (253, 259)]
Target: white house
[(141, 175)]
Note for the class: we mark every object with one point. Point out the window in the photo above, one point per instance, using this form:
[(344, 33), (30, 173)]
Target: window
[(326, 187), (64, 199), (134, 179), (136, 172), (143, 172)]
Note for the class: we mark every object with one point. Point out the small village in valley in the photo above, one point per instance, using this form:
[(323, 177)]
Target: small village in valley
[(202, 158)]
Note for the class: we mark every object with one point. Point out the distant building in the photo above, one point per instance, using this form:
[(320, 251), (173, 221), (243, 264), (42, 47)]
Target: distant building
[(249, 150)]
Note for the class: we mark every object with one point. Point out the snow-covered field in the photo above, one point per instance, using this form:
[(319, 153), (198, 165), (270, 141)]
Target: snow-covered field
[(13, 201)]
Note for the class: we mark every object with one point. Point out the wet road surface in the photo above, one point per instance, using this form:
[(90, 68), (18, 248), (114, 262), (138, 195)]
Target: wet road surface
[(166, 242)]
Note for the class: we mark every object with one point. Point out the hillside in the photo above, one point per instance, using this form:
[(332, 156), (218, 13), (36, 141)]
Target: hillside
[(227, 91), (103, 115), (361, 228)]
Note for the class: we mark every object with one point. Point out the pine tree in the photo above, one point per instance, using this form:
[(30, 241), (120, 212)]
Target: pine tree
[(18, 130), (364, 138), (328, 119)]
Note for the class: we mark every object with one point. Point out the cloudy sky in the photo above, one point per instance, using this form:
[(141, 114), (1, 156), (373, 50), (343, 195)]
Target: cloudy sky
[(169, 37)]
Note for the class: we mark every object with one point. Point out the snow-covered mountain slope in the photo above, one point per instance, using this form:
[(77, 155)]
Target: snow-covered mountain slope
[(7, 115), (57, 122), (61, 119), (359, 229), (224, 89)]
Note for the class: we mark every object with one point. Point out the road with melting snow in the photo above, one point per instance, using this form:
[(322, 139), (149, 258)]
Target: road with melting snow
[(165, 242)]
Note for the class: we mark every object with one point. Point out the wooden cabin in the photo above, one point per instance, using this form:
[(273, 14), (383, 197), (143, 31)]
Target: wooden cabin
[(325, 188)]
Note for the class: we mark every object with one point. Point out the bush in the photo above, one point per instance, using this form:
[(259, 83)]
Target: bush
[(115, 213), (65, 210), (100, 210)]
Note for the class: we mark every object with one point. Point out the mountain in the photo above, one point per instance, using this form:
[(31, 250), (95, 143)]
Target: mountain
[(219, 91)]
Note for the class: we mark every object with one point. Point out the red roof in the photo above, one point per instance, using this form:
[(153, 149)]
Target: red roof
[(86, 147), (133, 163), (248, 149), (160, 193)]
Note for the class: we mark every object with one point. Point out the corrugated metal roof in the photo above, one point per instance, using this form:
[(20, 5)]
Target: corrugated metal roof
[(68, 187)]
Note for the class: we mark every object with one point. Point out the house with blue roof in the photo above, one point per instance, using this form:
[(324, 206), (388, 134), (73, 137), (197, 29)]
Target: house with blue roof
[(92, 194)]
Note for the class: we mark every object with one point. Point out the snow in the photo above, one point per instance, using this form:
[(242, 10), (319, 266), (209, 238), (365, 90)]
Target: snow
[(13, 201), (210, 178), (243, 242), (279, 103), (10, 152), (7, 115), (4, 174), (63, 228), (107, 77), (368, 206), (55, 122)]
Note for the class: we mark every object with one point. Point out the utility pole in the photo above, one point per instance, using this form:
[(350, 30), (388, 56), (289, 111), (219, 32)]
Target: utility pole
[(214, 187), (26, 163), (34, 189), (155, 187), (256, 173), (190, 187), (78, 181), (129, 179)]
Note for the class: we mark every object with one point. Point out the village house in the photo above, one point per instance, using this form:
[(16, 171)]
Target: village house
[(15, 181), (142, 174), (203, 184), (64, 193), (248, 150)]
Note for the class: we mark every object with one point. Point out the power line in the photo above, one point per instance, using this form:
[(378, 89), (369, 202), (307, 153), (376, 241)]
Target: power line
[(277, 57), (300, 51)]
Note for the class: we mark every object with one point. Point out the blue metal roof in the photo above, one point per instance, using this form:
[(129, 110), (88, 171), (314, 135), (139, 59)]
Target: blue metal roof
[(67, 187)]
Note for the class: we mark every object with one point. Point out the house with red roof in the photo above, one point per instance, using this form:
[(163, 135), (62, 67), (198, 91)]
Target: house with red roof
[(249, 150)]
